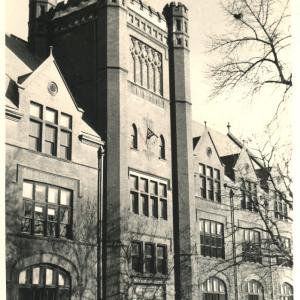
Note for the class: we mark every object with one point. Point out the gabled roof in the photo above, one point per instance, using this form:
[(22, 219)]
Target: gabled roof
[(18, 61), (26, 79)]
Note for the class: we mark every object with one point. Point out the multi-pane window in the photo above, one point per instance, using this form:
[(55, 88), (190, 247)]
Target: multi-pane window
[(148, 196), (254, 290), (45, 282), (212, 239), (249, 196), (283, 259), (286, 292), (149, 258), (214, 289), (50, 132), (47, 210), (210, 185), (251, 246), (280, 206)]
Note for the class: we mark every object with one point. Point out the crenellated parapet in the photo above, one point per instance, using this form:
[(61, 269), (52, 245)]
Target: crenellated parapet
[(176, 15)]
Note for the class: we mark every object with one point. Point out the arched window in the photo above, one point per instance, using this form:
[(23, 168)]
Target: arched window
[(213, 289), (162, 148), (254, 290), (286, 292), (45, 282), (134, 137)]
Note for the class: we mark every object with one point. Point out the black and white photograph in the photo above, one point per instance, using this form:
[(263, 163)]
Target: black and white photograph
[(148, 150)]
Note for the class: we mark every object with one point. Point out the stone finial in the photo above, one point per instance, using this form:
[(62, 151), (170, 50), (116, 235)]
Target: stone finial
[(228, 127), (205, 124)]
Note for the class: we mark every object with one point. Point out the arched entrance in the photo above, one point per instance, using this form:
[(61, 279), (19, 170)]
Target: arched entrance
[(44, 282)]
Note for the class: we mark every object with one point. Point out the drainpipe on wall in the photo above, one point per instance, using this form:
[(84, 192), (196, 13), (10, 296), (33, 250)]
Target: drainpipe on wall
[(101, 153), (231, 194)]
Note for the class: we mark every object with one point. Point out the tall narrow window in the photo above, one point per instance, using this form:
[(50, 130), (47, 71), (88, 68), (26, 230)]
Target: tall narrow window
[(136, 257), (249, 196), (134, 137), (149, 258), (65, 136), (35, 132), (162, 148), (214, 289), (35, 135), (162, 265), (280, 206), (283, 260)]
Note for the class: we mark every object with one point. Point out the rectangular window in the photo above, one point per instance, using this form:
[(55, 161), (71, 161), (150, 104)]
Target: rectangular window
[(145, 202), (48, 124), (50, 140), (136, 257), (162, 259), (154, 207), (134, 202), (149, 258), (65, 144), (164, 209), (178, 25), (283, 260), (35, 135), (210, 183), (211, 239), (47, 210), (251, 246), (249, 196), (280, 206), (51, 115), (145, 190)]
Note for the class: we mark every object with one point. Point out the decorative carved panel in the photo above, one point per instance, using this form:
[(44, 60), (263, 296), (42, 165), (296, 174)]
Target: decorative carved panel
[(145, 66)]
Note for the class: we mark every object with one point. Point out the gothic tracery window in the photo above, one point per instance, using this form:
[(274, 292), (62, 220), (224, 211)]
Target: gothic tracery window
[(146, 66)]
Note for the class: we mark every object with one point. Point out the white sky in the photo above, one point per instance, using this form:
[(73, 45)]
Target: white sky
[(246, 118)]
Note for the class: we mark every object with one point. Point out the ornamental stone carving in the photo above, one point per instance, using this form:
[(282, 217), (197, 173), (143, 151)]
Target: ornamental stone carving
[(145, 66)]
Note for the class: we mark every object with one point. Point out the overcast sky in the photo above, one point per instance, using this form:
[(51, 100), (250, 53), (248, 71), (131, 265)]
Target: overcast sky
[(206, 18)]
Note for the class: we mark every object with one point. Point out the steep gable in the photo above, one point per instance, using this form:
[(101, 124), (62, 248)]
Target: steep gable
[(206, 151), (244, 167), (40, 82)]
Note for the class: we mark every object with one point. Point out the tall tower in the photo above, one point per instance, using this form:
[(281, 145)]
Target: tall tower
[(183, 194), (112, 48), (38, 26)]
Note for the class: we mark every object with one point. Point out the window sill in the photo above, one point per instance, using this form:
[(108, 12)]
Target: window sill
[(134, 149), (162, 159), (209, 201), (49, 156)]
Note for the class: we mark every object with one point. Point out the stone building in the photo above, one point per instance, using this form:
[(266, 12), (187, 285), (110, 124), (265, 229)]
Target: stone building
[(141, 221)]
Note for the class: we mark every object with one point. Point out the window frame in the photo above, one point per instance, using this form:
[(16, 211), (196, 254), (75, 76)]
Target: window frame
[(46, 205), (157, 199), (56, 125), (249, 195), (251, 250), (210, 183), (212, 244)]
